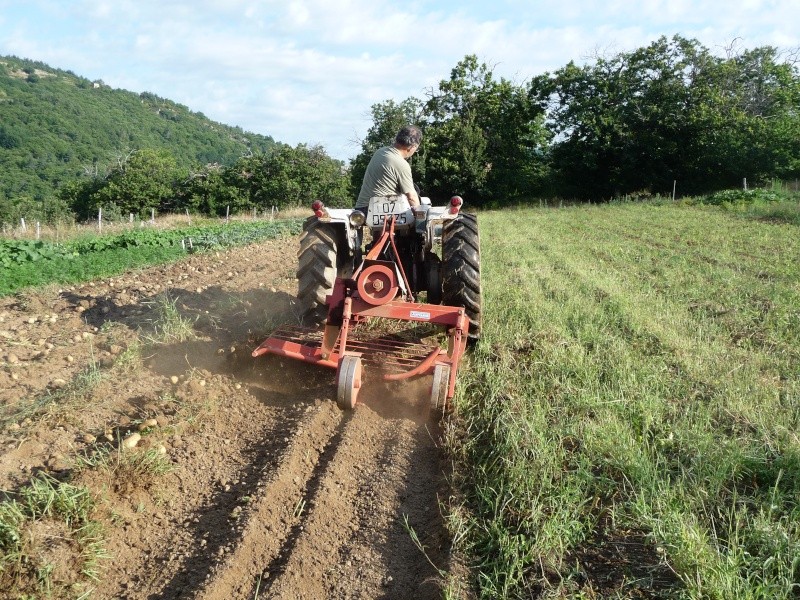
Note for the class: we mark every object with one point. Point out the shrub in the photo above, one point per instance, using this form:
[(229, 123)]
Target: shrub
[(756, 195)]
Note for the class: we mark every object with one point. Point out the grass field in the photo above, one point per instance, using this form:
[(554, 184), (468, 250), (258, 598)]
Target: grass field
[(628, 425)]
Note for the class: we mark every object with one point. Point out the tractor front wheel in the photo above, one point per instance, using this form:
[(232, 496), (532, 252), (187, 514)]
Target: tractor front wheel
[(433, 278)]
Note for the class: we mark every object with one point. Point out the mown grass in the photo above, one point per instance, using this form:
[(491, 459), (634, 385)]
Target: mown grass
[(627, 426)]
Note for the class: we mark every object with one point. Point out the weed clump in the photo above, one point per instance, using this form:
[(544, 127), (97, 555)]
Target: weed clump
[(50, 544)]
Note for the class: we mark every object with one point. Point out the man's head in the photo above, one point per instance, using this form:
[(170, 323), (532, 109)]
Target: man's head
[(408, 137)]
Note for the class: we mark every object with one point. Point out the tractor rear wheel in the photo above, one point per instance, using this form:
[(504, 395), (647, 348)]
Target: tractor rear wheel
[(316, 270), (461, 269)]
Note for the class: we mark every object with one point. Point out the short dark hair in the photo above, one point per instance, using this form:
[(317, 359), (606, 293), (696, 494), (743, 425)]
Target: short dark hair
[(408, 136)]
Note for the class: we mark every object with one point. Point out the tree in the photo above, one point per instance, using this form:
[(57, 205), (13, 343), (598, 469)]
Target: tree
[(669, 111), (485, 137), (212, 190), (294, 176), (142, 181)]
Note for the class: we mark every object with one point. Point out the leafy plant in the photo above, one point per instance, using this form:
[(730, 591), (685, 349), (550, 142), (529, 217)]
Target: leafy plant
[(744, 196), (22, 251), (104, 255)]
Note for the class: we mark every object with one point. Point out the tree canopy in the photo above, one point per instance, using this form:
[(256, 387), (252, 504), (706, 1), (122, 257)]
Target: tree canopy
[(56, 126), (636, 122), (669, 112)]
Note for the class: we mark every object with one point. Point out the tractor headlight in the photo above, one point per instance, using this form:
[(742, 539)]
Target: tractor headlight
[(357, 218)]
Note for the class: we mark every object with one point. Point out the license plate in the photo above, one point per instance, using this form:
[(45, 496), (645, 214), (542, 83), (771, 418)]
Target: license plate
[(379, 208)]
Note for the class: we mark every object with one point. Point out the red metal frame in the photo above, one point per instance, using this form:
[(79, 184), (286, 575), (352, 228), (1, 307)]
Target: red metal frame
[(350, 302)]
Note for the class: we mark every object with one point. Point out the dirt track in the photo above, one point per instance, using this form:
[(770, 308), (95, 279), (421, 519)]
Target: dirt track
[(273, 492)]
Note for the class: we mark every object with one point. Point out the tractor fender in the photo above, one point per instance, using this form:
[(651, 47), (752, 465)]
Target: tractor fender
[(434, 226), (340, 217)]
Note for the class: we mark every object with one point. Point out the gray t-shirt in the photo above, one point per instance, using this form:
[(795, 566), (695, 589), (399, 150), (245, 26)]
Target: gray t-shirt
[(388, 174)]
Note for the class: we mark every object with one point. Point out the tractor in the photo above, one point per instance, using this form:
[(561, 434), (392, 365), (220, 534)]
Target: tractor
[(427, 250)]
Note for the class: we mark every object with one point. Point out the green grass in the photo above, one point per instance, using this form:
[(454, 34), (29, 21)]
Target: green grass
[(627, 426), (126, 469), (46, 523), (168, 325)]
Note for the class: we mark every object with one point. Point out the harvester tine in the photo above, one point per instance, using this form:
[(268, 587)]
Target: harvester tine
[(329, 337)]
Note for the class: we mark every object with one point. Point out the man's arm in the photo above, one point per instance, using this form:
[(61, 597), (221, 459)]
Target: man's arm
[(413, 199), (405, 183)]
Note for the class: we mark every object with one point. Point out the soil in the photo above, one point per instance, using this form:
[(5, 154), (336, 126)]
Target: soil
[(272, 491)]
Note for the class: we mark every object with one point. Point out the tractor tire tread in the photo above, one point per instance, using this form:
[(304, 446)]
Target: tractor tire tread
[(461, 269), (316, 270)]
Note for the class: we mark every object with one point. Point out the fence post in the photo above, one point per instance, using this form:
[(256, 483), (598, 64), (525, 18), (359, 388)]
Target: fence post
[(227, 213), (674, 185), (100, 220), (744, 184), (38, 230), (22, 224), (152, 216)]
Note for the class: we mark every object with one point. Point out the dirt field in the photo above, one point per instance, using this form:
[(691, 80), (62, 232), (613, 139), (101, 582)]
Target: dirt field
[(273, 492)]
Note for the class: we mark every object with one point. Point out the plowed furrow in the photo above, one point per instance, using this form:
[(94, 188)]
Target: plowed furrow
[(354, 540), (227, 514), (276, 507)]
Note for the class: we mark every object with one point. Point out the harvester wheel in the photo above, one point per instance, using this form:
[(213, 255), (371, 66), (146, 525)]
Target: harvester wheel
[(441, 381), (348, 382), (461, 269), (316, 270)]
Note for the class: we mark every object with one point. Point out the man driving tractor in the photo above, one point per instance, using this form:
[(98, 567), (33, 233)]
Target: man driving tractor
[(388, 172)]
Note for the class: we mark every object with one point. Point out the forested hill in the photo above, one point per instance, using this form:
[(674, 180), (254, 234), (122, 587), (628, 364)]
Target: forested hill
[(56, 126)]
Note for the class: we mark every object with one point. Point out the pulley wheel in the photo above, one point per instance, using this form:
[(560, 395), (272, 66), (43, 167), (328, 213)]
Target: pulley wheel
[(377, 284), (348, 382), (441, 383)]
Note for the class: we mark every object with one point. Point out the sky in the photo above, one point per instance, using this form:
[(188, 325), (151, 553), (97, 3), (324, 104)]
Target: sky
[(309, 71)]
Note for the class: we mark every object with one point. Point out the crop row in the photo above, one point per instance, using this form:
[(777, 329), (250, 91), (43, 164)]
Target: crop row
[(191, 238)]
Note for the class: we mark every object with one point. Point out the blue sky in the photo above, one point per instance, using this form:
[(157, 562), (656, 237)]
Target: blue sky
[(308, 71)]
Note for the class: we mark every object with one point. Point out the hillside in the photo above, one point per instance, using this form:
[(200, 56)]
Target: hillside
[(56, 125)]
